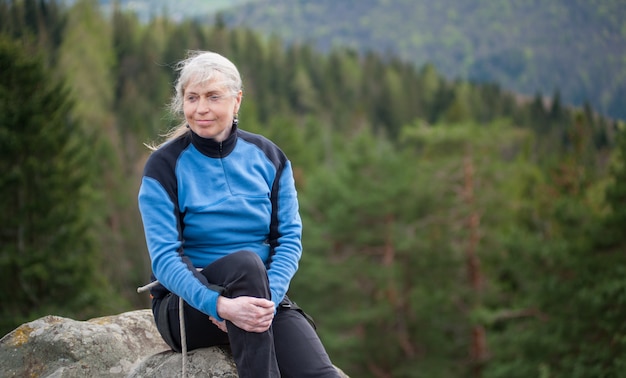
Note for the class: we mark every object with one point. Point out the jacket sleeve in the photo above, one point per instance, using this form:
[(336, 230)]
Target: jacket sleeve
[(287, 248), (160, 220)]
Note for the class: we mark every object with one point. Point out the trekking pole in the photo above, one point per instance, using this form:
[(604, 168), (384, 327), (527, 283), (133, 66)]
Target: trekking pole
[(183, 335), (147, 287), (181, 316)]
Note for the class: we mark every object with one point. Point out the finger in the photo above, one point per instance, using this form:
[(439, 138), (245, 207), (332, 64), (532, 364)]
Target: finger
[(262, 302), (221, 325), (255, 325)]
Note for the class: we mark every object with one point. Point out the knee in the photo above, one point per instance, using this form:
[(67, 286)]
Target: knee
[(247, 261), (249, 266), (248, 275)]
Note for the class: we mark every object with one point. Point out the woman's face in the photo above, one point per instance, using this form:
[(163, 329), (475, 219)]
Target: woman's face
[(210, 108)]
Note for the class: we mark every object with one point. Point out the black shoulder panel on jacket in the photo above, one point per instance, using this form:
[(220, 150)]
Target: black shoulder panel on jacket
[(271, 150), (161, 165)]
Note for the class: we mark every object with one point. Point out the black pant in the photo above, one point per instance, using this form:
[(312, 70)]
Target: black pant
[(290, 348)]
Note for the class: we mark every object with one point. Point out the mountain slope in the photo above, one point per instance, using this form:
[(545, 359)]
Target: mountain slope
[(575, 46)]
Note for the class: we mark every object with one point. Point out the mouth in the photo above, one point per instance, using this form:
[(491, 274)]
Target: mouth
[(205, 121)]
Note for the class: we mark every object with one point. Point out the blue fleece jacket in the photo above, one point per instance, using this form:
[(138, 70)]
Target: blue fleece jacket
[(201, 200)]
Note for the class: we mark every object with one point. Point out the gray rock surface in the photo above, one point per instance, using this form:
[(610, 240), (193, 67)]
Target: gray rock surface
[(124, 345), (206, 362), (53, 346)]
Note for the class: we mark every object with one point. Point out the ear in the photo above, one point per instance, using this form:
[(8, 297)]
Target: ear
[(238, 99)]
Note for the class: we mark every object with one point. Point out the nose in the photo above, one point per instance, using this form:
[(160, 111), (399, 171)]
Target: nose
[(204, 105)]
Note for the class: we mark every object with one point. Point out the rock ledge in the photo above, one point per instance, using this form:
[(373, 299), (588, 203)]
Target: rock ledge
[(124, 345)]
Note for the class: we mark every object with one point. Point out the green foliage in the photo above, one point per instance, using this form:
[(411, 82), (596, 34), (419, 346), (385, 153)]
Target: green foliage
[(386, 234), (450, 228), (363, 220), (49, 256), (574, 327), (610, 235)]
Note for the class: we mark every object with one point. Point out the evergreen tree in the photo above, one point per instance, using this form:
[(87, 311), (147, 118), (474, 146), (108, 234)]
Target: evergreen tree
[(575, 257), (37, 22), (611, 233), (48, 255)]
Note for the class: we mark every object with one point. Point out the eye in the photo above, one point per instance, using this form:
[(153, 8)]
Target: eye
[(215, 98), (191, 98)]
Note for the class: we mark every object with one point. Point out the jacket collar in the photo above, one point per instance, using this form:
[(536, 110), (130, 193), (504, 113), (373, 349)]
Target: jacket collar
[(211, 148)]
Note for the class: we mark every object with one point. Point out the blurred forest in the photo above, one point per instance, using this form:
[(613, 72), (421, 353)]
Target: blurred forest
[(575, 46), (451, 229)]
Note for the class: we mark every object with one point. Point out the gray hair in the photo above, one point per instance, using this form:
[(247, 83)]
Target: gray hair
[(200, 66)]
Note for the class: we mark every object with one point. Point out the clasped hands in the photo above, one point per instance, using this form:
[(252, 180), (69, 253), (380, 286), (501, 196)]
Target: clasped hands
[(248, 313)]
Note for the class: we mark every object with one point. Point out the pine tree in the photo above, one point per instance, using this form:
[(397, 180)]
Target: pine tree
[(375, 240), (48, 257), (612, 231), (575, 256)]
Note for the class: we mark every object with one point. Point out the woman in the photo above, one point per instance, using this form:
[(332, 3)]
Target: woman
[(220, 215)]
